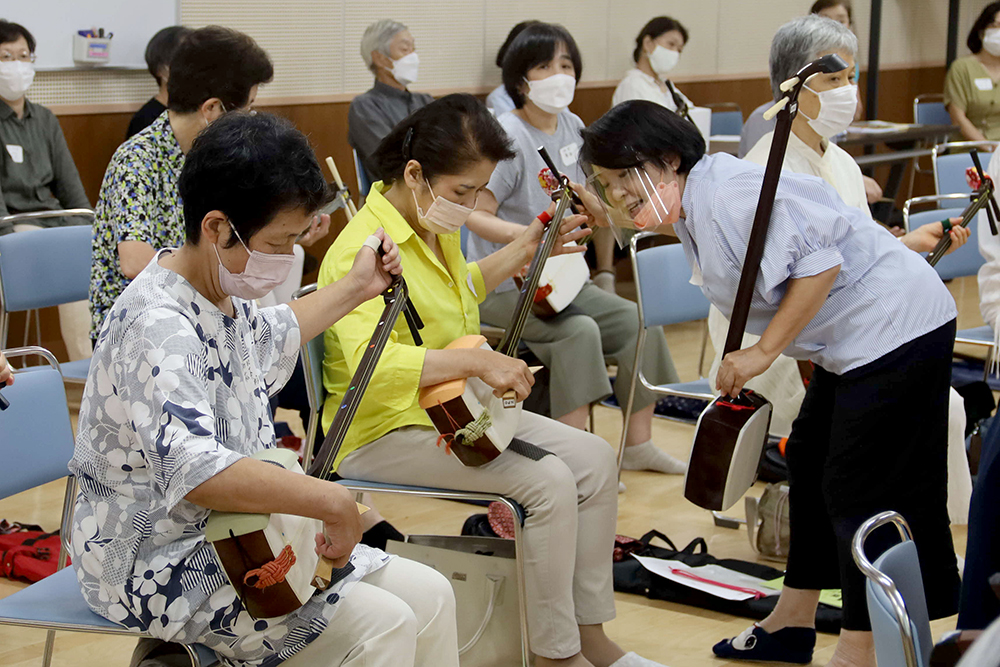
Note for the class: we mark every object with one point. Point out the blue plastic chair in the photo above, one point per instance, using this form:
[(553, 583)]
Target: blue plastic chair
[(313, 352), (929, 109), (665, 296), (727, 119), (43, 268), (966, 260), (38, 411), (897, 604), (364, 179), (949, 162)]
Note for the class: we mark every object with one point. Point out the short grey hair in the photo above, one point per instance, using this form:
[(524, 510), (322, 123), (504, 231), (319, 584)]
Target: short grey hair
[(801, 41), (378, 36)]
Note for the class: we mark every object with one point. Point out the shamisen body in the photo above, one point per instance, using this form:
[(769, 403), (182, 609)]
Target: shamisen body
[(434, 164), (834, 288)]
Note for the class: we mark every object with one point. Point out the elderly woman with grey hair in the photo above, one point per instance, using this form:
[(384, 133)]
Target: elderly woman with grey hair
[(390, 52), (821, 530)]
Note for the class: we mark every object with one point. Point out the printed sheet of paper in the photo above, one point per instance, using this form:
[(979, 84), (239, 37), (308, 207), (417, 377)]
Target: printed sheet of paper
[(671, 569)]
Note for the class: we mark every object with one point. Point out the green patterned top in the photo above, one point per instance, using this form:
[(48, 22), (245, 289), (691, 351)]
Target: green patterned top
[(139, 201)]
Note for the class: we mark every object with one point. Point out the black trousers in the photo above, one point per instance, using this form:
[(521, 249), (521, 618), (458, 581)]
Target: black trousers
[(870, 440)]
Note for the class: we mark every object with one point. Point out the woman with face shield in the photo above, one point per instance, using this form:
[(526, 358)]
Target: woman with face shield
[(437, 163), (972, 87), (836, 289), (658, 47)]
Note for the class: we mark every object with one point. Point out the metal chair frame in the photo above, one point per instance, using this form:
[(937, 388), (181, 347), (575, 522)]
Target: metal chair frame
[(33, 313), (316, 400), (881, 580), (66, 530), (947, 148), (637, 374)]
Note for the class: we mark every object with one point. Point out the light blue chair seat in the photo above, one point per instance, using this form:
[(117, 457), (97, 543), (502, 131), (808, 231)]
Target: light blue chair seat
[(976, 336), (44, 268), (41, 446), (966, 260), (664, 295), (897, 604), (950, 160)]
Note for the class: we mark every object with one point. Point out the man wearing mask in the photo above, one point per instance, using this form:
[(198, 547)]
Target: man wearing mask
[(37, 172), (389, 51)]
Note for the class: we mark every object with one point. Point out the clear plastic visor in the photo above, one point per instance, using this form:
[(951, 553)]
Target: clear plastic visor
[(630, 199)]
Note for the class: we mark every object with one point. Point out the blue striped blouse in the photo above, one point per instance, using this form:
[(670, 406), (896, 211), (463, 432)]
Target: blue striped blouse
[(884, 296)]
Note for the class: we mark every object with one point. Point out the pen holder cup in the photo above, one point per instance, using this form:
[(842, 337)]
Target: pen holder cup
[(91, 50)]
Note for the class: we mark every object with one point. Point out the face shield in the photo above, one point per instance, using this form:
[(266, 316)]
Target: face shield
[(633, 200)]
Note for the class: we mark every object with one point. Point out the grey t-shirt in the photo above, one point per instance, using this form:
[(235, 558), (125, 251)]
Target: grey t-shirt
[(515, 183)]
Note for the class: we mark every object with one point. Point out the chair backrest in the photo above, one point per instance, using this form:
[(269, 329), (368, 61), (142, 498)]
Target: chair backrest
[(950, 162), (36, 438), (727, 122), (897, 604), (963, 262), (312, 363), (929, 109), (662, 282), (364, 179), (464, 232), (45, 267)]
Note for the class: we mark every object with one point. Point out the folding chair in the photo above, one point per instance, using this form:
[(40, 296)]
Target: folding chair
[(966, 260), (312, 361), (929, 109), (43, 268), (727, 118), (38, 411), (664, 296), (897, 605), (364, 180), (949, 162)]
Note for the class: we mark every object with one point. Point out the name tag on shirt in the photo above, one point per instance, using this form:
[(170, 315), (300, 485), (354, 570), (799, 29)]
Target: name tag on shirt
[(569, 153), (16, 153), (984, 83)]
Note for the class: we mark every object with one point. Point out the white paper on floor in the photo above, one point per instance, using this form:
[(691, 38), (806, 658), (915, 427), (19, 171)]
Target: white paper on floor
[(673, 569)]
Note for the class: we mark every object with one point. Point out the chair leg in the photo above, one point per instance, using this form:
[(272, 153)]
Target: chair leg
[(50, 638), (704, 346), (590, 418), (521, 586), (627, 412), (193, 654)]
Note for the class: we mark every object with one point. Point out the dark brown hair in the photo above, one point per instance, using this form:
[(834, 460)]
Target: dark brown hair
[(975, 40), (10, 31), (216, 62)]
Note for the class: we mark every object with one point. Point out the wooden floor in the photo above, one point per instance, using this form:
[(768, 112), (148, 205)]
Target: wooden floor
[(672, 634)]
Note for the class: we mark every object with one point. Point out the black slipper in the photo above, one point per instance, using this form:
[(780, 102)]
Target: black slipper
[(793, 645)]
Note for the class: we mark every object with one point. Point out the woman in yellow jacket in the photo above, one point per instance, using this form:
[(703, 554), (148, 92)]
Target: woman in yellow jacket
[(435, 163)]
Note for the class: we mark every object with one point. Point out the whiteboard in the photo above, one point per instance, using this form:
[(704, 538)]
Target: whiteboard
[(54, 22)]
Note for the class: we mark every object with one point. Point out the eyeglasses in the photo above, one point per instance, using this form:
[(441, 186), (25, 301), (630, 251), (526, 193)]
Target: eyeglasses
[(24, 57)]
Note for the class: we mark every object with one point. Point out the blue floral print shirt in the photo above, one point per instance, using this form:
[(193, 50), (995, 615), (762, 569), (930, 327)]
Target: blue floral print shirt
[(177, 392)]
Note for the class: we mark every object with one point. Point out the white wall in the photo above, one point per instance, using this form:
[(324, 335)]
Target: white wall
[(314, 43)]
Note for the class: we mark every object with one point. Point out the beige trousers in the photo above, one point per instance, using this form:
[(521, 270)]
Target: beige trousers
[(571, 501), (402, 615), (74, 320)]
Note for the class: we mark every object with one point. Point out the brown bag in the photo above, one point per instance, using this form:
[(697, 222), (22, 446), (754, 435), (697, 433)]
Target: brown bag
[(767, 522)]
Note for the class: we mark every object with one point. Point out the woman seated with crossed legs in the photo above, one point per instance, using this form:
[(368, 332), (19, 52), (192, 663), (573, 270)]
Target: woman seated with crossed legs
[(436, 163)]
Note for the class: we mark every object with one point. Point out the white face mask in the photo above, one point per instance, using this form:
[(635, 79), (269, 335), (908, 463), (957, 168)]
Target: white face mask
[(552, 94), (261, 275), (837, 107), (405, 69), (15, 79), (443, 217), (662, 60), (991, 41)]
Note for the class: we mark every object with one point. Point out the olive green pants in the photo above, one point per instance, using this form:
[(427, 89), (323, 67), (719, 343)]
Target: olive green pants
[(597, 329)]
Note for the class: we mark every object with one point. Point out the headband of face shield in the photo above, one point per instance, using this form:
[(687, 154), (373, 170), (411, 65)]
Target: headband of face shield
[(634, 201)]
